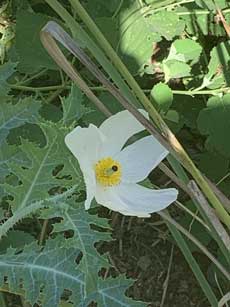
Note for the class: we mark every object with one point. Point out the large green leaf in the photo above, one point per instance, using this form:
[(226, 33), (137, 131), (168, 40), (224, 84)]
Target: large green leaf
[(78, 220), (50, 168), (137, 37), (213, 121), (13, 116), (32, 55), (53, 270)]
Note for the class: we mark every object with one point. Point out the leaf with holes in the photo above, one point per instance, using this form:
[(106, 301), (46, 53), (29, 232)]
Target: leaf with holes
[(13, 116), (79, 221), (52, 269), (51, 167)]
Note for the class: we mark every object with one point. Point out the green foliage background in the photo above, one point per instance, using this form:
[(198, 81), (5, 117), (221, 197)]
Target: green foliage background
[(180, 54)]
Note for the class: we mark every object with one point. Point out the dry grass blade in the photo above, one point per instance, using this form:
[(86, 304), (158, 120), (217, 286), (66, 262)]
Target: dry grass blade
[(199, 197)]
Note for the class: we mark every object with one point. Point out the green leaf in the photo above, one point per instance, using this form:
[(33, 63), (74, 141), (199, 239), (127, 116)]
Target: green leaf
[(73, 106), (50, 168), (213, 121), (15, 239), (175, 69), (6, 70), (213, 166), (8, 154), (31, 53), (110, 293), (162, 96), (137, 41), (185, 50), (101, 8), (78, 220), (2, 214), (109, 29), (218, 68), (174, 120), (167, 24), (53, 269), (189, 108), (13, 116)]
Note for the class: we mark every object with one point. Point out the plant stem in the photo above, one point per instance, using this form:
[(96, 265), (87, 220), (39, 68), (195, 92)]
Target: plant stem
[(37, 89)]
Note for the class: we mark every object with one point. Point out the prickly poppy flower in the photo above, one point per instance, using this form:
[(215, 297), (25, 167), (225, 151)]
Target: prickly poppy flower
[(111, 171)]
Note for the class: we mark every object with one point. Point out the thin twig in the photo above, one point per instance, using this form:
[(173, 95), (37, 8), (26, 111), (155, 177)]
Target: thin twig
[(199, 197), (165, 284)]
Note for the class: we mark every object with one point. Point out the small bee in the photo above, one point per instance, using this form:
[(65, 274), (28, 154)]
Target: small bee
[(114, 168)]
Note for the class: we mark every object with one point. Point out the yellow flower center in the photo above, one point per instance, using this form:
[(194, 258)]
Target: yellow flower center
[(108, 172)]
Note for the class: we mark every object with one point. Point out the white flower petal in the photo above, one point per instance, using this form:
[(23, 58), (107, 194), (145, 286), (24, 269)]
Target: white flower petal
[(138, 159), (107, 197), (135, 200), (143, 200), (85, 145), (118, 129), (90, 183)]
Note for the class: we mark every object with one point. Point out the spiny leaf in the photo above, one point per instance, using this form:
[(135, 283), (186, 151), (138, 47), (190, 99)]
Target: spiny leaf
[(52, 269), (73, 107), (16, 239), (79, 220), (8, 154), (6, 70), (213, 121), (13, 116), (39, 178), (110, 293)]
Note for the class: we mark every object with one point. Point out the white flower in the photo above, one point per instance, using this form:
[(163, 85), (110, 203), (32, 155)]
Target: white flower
[(111, 173)]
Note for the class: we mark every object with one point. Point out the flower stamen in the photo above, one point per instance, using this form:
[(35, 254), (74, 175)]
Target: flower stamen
[(108, 172)]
